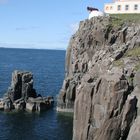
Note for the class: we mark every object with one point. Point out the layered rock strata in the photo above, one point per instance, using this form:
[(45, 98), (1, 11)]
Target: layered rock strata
[(101, 84), (22, 96)]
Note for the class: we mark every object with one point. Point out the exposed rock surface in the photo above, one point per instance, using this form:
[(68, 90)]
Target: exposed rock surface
[(21, 95), (39, 103), (21, 86), (102, 80)]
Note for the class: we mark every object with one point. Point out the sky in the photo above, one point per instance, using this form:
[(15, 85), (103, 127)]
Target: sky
[(42, 24)]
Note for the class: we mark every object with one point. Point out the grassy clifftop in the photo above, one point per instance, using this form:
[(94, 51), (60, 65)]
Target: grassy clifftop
[(121, 18)]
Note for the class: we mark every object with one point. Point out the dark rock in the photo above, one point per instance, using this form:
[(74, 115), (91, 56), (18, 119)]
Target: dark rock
[(19, 104), (21, 86), (21, 95)]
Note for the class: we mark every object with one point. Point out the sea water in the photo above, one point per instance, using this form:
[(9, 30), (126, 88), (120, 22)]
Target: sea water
[(47, 67)]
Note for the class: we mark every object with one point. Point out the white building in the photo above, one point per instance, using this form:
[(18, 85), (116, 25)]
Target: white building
[(94, 12), (122, 7)]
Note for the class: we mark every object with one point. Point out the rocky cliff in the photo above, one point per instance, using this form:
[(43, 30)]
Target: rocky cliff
[(102, 82)]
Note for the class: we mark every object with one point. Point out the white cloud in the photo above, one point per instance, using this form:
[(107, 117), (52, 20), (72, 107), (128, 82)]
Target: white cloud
[(3, 1), (27, 28)]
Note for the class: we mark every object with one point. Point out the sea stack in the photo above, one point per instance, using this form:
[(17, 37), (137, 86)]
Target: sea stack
[(22, 96)]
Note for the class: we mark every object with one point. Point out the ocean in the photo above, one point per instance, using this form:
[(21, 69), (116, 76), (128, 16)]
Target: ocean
[(47, 67)]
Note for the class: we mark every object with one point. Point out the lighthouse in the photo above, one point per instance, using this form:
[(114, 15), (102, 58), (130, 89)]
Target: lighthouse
[(94, 12)]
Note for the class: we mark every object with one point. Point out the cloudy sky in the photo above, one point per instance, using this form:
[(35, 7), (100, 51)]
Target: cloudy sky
[(46, 24)]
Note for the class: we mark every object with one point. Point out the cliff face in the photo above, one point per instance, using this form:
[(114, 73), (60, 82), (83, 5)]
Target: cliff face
[(102, 80)]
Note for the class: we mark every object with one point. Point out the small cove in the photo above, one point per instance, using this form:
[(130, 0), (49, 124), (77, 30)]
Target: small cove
[(47, 67)]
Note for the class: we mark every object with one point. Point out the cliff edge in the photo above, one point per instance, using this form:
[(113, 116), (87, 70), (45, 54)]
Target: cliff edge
[(102, 81)]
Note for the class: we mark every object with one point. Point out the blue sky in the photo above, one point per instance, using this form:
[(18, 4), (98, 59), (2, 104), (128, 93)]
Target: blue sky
[(46, 24)]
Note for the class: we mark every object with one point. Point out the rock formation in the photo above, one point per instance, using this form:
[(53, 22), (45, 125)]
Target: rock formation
[(101, 84), (21, 94), (21, 86)]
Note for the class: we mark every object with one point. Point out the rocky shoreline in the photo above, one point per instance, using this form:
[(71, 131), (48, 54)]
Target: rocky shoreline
[(102, 77), (22, 96)]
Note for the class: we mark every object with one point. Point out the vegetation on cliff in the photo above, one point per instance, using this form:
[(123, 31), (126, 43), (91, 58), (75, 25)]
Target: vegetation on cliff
[(121, 18)]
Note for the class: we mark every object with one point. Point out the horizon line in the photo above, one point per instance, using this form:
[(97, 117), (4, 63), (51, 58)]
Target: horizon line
[(59, 49)]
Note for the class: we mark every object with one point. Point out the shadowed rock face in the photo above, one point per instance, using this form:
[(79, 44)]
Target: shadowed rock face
[(21, 86), (134, 133), (101, 80)]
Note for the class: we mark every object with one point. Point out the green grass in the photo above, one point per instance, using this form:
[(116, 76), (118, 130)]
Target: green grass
[(119, 19), (133, 52), (116, 22), (118, 63), (137, 67)]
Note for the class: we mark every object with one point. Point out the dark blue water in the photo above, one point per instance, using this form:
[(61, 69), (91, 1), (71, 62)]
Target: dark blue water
[(48, 70)]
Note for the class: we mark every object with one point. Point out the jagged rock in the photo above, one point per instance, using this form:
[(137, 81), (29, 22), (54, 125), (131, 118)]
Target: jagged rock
[(21, 86), (67, 96), (96, 107), (117, 127), (134, 133), (19, 104), (21, 95), (98, 82)]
